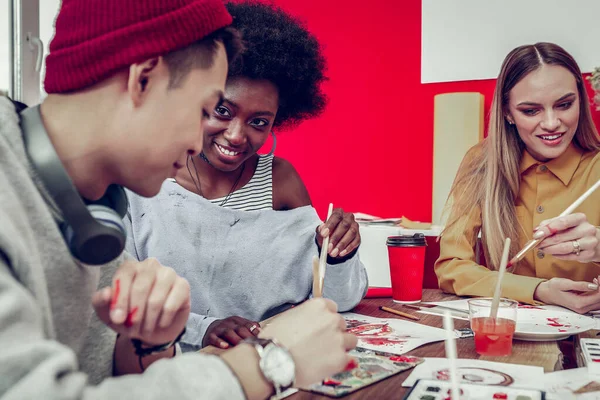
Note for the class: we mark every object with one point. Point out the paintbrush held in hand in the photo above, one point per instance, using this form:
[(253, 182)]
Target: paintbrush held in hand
[(501, 271), (321, 263), (317, 289)]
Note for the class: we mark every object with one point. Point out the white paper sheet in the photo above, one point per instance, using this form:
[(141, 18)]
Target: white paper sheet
[(391, 335), (572, 384), (480, 372)]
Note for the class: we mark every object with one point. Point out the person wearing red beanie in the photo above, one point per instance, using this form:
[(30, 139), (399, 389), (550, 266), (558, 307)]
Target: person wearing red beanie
[(130, 85)]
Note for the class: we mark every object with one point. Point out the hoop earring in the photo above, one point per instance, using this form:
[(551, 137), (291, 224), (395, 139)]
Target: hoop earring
[(274, 144)]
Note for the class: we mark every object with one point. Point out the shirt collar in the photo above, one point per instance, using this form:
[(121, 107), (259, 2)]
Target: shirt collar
[(563, 167)]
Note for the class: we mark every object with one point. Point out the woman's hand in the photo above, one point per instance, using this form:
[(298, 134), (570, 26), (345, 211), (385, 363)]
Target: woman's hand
[(570, 237), (581, 297), (228, 332), (343, 232)]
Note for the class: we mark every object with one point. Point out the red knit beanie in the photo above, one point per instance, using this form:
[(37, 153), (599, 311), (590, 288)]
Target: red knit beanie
[(96, 38)]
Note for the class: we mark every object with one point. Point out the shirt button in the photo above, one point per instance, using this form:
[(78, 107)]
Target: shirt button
[(540, 209), (543, 168), (540, 254)]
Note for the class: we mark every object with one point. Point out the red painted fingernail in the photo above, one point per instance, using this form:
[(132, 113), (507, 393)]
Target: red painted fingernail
[(129, 320), (115, 298), (351, 365)]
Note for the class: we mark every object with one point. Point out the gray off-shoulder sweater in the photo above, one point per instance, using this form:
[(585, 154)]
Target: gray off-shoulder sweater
[(252, 264)]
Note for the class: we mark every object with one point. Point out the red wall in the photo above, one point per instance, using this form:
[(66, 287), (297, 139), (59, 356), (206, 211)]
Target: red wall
[(372, 149)]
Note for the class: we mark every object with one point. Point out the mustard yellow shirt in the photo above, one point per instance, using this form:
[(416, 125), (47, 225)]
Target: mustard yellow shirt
[(546, 190)]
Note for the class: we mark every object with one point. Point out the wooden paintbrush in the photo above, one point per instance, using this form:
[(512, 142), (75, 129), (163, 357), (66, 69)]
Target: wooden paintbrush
[(323, 260), (317, 283), (399, 313)]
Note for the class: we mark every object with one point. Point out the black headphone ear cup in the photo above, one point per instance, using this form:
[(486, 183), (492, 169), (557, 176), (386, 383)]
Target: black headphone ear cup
[(100, 244), (94, 232)]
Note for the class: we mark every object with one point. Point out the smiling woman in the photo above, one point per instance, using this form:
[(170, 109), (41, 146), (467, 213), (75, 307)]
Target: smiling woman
[(541, 154), (235, 222)]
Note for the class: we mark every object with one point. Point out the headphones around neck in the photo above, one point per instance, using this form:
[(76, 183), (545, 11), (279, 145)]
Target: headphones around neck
[(94, 231)]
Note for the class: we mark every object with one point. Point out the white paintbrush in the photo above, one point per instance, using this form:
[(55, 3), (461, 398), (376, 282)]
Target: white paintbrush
[(324, 251), (451, 355), (534, 242), (501, 271)]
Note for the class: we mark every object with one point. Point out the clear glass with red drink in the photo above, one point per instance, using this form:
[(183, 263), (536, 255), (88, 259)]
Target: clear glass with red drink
[(493, 336)]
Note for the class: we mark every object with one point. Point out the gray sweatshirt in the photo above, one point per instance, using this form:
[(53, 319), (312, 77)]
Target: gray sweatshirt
[(253, 264), (51, 344)]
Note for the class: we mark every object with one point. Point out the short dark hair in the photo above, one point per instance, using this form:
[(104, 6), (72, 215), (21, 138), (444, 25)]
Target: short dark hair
[(201, 54), (281, 50)]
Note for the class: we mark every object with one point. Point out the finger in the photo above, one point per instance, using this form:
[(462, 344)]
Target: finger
[(101, 302), (253, 327), (165, 278), (569, 285), (328, 304), (243, 332), (584, 256), (332, 222), (349, 248), (178, 297), (561, 249), (340, 231), (231, 337), (121, 292), (588, 303), (102, 297), (564, 236), (584, 230), (141, 287), (586, 244), (345, 241), (342, 325), (559, 224), (350, 341), (216, 341)]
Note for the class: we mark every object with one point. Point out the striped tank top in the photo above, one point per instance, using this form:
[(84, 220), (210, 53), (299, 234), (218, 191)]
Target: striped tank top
[(257, 194)]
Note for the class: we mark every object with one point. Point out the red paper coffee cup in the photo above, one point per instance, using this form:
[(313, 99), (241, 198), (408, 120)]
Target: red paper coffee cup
[(407, 264)]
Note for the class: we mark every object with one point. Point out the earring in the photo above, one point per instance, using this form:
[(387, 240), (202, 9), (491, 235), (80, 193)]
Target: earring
[(274, 144)]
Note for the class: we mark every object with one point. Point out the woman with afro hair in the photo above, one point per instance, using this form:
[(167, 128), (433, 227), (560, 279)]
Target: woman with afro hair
[(240, 226)]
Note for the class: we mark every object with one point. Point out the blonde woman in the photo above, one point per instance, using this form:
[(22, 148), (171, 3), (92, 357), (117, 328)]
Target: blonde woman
[(542, 153)]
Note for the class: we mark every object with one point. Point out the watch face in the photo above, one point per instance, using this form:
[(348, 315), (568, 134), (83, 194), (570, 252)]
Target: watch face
[(278, 366)]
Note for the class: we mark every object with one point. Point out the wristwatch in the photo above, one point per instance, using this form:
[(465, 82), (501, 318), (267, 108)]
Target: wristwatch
[(276, 363)]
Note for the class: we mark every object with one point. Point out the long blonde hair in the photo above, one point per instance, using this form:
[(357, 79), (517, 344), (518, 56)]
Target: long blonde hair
[(489, 175)]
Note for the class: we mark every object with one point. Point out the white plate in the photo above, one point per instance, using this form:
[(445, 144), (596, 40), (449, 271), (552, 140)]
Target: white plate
[(539, 325), (533, 324)]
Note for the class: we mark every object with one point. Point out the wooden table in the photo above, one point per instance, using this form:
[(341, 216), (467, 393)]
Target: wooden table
[(545, 354)]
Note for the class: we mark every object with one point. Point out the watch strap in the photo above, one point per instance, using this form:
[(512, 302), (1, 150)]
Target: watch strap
[(143, 350)]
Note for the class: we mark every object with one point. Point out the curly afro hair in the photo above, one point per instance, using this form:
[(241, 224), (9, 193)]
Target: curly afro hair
[(281, 50)]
